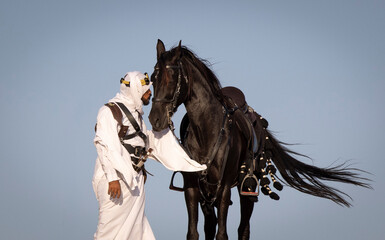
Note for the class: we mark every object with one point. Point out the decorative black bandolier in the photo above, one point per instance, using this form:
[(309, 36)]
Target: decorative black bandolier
[(137, 151)]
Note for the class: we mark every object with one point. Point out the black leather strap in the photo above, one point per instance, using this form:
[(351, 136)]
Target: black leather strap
[(135, 162), (134, 124), (137, 151)]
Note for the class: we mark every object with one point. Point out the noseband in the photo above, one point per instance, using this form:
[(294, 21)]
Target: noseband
[(174, 101)]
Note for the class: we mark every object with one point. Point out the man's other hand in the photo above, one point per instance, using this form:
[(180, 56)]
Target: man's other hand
[(114, 189)]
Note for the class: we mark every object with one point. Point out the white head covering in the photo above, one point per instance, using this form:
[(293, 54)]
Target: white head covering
[(132, 96)]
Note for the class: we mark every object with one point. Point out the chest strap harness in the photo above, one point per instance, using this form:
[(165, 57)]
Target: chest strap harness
[(139, 152)]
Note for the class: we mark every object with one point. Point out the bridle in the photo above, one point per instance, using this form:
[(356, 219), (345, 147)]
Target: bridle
[(174, 101)]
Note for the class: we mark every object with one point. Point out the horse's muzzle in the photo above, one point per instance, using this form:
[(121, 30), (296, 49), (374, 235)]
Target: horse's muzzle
[(158, 119)]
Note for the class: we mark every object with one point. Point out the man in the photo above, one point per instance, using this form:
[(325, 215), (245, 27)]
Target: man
[(123, 144)]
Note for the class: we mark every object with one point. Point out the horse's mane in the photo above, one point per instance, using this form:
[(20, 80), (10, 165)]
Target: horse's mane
[(203, 67)]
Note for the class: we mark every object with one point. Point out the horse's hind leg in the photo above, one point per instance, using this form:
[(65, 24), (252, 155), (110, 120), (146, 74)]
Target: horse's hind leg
[(247, 207), (210, 220)]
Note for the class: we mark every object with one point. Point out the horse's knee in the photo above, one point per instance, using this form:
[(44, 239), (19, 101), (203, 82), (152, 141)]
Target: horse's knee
[(222, 236), (192, 235)]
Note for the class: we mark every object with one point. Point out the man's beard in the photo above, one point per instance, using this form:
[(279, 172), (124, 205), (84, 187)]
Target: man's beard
[(146, 102)]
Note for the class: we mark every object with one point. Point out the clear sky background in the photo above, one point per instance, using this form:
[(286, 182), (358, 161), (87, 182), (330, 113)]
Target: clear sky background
[(314, 69)]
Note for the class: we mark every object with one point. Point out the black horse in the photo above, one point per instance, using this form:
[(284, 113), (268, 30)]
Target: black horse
[(216, 133)]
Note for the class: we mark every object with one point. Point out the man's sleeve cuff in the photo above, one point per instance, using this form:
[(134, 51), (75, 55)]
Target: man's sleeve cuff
[(112, 176)]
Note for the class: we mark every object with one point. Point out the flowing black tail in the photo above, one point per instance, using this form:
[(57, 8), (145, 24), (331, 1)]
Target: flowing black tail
[(304, 177)]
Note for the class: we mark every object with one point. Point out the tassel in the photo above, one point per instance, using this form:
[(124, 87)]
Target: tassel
[(267, 191), (278, 186), (264, 181), (262, 161), (274, 196), (266, 166), (272, 170), (265, 186), (264, 191)]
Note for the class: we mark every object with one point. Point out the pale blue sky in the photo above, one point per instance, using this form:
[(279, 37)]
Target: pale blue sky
[(314, 69)]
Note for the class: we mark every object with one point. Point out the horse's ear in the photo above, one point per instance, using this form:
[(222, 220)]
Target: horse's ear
[(178, 52), (160, 48)]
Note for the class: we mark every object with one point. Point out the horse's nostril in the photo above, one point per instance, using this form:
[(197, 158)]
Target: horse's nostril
[(157, 124)]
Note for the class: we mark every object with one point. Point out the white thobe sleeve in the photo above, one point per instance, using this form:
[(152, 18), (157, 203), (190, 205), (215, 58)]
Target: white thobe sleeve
[(167, 151), (109, 148)]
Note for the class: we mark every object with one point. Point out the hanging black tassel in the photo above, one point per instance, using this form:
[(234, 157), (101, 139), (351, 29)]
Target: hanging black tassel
[(264, 181), (266, 166), (267, 191), (274, 196), (262, 161), (264, 191), (277, 185), (272, 170)]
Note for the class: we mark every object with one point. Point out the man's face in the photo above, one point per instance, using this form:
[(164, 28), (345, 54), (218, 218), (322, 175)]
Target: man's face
[(146, 97)]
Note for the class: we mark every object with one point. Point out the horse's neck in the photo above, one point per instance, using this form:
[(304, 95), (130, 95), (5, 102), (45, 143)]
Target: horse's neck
[(202, 102), (205, 113)]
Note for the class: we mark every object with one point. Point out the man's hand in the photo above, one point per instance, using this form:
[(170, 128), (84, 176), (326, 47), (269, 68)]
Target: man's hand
[(114, 189)]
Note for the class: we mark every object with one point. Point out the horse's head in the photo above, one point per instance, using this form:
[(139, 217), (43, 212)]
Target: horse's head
[(170, 84)]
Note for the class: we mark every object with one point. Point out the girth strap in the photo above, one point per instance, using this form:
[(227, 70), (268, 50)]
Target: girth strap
[(134, 124)]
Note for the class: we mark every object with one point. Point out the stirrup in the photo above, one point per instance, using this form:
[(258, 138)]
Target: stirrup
[(253, 194), (172, 186)]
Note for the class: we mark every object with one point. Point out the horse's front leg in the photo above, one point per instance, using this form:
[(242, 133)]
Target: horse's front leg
[(210, 220), (191, 195), (223, 208)]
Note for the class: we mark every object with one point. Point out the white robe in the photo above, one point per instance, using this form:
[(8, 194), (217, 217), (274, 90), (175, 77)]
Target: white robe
[(124, 218)]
